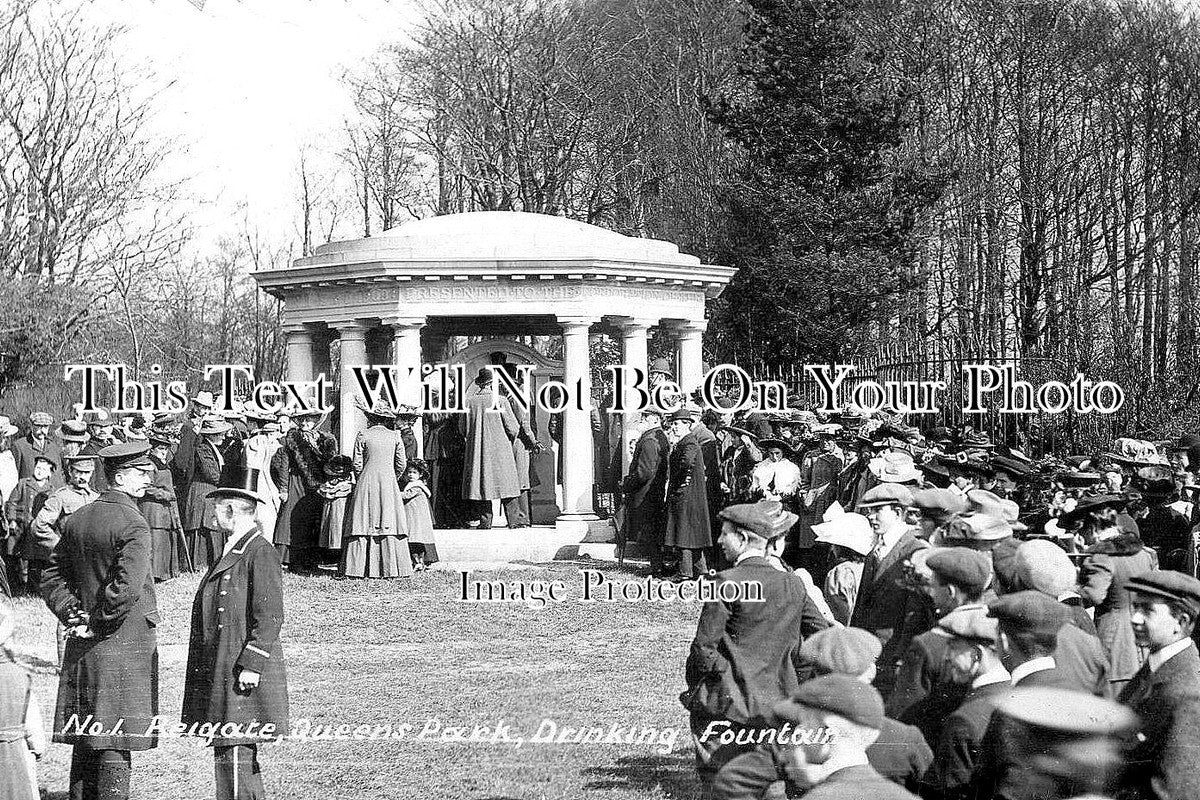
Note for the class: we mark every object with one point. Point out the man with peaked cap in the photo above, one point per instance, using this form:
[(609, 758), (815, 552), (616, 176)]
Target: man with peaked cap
[(1061, 745), (43, 533), (884, 604), (743, 658), (688, 527), (100, 436), (851, 713), (937, 507), (1045, 567), (1165, 693), (235, 666), (37, 442), (645, 489), (926, 690), (1029, 626), (98, 584), (900, 754), (25, 500)]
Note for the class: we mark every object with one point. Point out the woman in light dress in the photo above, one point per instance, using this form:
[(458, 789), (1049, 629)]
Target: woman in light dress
[(375, 542)]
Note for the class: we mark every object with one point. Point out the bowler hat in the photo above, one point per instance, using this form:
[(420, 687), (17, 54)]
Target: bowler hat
[(842, 695), (73, 430), (245, 485), (1169, 585), (682, 413), (841, 651)]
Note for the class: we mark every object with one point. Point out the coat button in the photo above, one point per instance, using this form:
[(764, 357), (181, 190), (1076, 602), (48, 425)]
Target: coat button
[(220, 609)]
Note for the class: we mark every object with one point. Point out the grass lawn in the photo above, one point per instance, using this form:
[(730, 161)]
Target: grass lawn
[(387, 652)]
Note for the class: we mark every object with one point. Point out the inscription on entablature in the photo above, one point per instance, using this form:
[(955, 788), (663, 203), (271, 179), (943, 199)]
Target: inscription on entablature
[(491, 291)]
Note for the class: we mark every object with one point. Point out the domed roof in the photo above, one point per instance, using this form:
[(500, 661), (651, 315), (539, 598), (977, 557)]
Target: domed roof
[(499, 235)]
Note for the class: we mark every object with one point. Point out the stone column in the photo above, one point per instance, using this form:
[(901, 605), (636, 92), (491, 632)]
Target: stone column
[(689, 354), (578, 453), (299, 352), (353, 353), (633, 350), (406, 354)]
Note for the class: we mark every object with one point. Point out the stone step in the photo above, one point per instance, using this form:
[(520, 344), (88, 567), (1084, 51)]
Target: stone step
[(537, 544)]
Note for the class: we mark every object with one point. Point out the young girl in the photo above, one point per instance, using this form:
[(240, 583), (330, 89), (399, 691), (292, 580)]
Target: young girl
[(18, 714), (420, 519), (338, 485)]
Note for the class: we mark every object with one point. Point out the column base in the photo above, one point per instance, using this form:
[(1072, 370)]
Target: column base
[(588, 527)]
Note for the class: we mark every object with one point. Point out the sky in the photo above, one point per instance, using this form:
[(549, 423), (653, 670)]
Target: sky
[(249, 83)]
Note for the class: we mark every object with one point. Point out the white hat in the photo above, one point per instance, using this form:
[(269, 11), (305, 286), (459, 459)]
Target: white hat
[(848, 530), (204, 398), (6, 427)]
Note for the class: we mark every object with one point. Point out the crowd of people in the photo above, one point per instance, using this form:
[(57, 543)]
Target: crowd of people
[(964, 620)]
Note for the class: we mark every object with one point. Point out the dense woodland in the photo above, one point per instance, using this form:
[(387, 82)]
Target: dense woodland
[(897, 181)]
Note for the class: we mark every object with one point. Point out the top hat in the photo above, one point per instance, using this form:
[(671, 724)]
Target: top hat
[(245, 485)]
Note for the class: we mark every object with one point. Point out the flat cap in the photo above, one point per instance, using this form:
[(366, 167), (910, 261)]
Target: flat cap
[(1045, 567), (681, 413), (1169, 585), (841, 651), (40, 418), (1029, 611), (73, 430), (961, 566), (940, 503), (886, 494), (973, 624), (847, 697), (766, 518), (127, 454), (1067, 712)]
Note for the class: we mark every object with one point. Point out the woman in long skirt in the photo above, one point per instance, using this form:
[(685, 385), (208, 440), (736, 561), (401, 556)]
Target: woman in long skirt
[(375, 543), (338, 485), (299, 465), (417, 512), (160, 507)]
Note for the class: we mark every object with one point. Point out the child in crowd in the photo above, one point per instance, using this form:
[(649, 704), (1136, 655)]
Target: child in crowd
[(420, 518), (19, 714), (339, 483)]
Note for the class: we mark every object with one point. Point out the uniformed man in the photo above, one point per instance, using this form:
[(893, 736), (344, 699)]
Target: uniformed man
[(100, 435), (235, 670), (742, 660), (837, 769), (1165, 692), (98, 584), (43, 533)]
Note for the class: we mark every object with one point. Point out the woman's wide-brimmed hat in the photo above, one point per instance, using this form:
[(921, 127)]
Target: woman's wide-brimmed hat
[(894, 467), (1135, 452), (767, 444), (214, 424), (1090, 503), (381, 409)]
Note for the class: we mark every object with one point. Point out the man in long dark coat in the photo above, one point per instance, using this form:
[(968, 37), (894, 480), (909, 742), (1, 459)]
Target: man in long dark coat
[(490, 469), (98, 583), (183, 463), (235, 671), (645, 489), (203, 541), (687, 498)]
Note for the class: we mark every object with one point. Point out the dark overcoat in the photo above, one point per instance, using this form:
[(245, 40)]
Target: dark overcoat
[(646, 485), (299, 468), (687, 497), (101, 565), (236, 619), (743, 659), (183, 463), (883, 604), (206, 476), (1164, 752)]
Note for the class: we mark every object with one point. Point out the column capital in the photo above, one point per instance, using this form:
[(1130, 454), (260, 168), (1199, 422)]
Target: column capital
[(573, 324), (686, 328), (402, 322), (298, 331), (351, 328), (633, 325)]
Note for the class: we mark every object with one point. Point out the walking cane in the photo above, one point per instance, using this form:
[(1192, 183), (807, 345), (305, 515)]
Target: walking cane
[(187, 554)]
